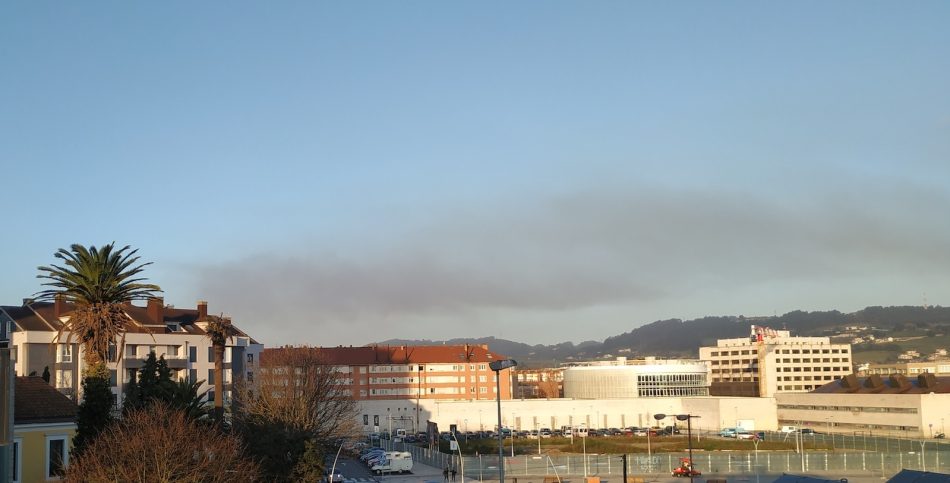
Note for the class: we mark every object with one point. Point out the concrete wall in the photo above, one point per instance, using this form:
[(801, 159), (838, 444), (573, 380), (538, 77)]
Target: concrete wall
[(32, 441), (526, 414), (904, 415)]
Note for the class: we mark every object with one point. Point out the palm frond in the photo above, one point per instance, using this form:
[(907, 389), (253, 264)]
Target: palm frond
[(92, 275)]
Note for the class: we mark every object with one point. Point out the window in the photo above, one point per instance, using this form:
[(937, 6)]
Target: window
[(57, 456), (64, 353), (210, 376), (192, 354), (64, 378), (193, 375), (131, 351), (113, 376), (17, 467), (250, 376), (250, 358), (210, 354), (172, 351)]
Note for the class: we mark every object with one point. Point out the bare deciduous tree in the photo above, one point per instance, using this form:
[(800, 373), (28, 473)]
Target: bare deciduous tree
[(162, 444), (296, 398)]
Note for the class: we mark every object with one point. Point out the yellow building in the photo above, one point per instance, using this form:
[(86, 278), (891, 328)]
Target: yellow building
[(44, 422)]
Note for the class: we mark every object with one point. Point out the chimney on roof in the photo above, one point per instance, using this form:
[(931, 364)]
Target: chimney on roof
[(59, 305), (927, 380), (156, 309), (874, 382), (202, 309)]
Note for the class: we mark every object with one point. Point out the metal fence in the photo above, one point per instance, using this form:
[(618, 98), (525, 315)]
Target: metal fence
[(850, 459)]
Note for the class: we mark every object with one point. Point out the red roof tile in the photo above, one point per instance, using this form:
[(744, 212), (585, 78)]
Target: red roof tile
[(35, 401), (368, 355)]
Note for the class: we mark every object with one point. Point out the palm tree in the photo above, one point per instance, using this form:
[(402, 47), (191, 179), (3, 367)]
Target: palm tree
[(97, 282), (218, 330)]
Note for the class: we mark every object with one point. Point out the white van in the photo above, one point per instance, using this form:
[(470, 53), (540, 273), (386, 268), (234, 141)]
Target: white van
[(789, 429), (395, 462)]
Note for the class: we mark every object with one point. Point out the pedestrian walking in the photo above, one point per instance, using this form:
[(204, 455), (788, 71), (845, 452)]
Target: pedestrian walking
[(445, 474), (453, 473)]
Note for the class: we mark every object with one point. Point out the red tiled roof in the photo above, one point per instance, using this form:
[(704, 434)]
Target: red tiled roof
[(368, 355), (894, 384), (32, 316), (35, 401)]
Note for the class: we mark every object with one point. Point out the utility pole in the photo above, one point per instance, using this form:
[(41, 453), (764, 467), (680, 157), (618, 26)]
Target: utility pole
[(7, 383)]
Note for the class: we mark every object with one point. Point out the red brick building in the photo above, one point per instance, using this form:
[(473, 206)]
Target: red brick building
[(448, 372)]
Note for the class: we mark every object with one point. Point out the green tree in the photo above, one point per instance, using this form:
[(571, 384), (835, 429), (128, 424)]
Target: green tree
[(97, 282), (310, 466), (218, 330), (185, 396), (154, 384), (95, 412)]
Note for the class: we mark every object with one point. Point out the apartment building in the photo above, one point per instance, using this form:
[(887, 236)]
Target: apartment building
[(539, 383), (770, 362), (443, 372), (176, 334)]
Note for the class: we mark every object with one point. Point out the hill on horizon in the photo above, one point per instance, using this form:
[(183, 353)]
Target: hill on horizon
[(678, 338)]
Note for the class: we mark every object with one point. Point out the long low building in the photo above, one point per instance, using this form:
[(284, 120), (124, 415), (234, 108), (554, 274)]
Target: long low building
[(895, 406), (527, 414)]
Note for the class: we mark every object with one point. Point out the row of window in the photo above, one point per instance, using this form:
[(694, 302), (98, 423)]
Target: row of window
[(814, 369), (64, 353), (866, 409), (426, 367), (815, 360), (404, 391), (428, 380), (805, 378), (780, 351), (672, 391)]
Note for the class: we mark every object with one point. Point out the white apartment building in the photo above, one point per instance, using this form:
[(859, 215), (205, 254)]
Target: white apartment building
[(770, 362), (178, 335)]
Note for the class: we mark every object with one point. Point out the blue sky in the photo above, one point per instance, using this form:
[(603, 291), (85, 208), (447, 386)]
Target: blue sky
[(345, 172)]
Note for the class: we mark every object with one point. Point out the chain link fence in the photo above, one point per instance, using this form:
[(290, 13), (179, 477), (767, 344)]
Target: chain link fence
[(856, 455)]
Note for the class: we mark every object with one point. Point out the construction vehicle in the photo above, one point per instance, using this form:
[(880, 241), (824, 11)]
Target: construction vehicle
[(686, 469)]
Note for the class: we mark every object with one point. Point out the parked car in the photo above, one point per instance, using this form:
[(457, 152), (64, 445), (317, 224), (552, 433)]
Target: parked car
[(336, 477), (669, 431), (743, 434), (807, 431), (728, 432), (788, 429)]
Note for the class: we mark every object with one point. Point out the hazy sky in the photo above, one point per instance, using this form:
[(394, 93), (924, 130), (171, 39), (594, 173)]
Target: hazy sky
[(346, 172)]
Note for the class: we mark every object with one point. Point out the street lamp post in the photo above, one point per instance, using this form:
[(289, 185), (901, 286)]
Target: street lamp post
[(583, 435), (499, 366)]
